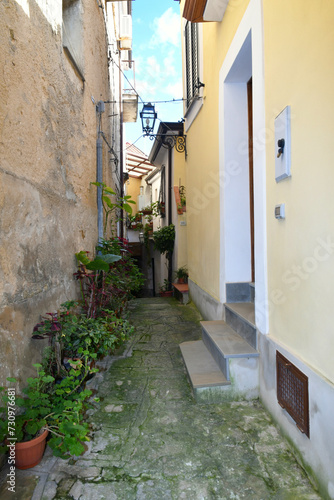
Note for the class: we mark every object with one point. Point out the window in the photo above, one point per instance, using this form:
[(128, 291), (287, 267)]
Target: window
[(72, 34), (162, 200), (191, 57)]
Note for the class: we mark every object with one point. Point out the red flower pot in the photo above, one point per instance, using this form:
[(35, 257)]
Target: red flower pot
[(169, 293), (30, 453)]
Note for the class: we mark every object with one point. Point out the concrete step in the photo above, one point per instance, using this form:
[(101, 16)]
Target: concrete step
[(209, 384), (240, 292), (202, 369), (241, 318), (224, 343), (252, 291), (207, 381)]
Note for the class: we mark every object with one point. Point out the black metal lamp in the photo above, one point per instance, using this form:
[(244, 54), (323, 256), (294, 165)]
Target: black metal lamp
[(148, 117)]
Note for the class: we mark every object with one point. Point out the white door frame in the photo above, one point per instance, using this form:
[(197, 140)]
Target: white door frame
[(251, 24)]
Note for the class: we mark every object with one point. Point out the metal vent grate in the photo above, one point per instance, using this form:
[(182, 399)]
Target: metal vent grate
[(292, 392)]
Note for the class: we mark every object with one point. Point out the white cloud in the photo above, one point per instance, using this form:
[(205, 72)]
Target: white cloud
[(158, 77), (169, 65), (175, 89), (166, 29)]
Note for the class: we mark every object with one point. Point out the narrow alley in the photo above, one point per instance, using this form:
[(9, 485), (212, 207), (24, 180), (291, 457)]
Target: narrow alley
[(153, 441)]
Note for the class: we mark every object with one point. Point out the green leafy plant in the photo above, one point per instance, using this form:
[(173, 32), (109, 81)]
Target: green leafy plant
[(55, 326), (164, 239), (161, 209), (113, 285), (57, 407), (134, 221), (99, 263), (182, 191), (96, 336), (165, 287), (111, 202), (182, 273)]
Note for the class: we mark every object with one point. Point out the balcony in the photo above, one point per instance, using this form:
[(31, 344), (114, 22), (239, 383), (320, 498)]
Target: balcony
[(130, 106)]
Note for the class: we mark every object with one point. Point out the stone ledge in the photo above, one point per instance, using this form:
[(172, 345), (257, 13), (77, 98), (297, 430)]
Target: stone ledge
[(181, 291)]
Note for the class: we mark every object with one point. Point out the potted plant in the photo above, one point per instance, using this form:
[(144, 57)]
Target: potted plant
[(182, 274), (152, 209), (147, 210), (161, 208), (164, 289), (46, 408), (134, 221), (182, 191)]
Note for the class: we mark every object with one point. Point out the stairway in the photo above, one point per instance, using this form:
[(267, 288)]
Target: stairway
[(223, 366)]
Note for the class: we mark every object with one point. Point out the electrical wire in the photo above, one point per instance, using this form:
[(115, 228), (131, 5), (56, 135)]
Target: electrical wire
[(133, 143), (152, 102), (126, 78), (171, 100)]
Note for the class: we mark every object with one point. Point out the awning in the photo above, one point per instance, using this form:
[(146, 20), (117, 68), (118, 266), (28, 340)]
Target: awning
[(137, 163)]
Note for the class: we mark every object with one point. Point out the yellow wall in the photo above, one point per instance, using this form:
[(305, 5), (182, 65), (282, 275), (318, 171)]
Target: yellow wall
[(180, 257), (299, 38), (133, 190)]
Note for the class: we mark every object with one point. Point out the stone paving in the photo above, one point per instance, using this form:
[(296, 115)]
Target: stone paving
[(152, 441)]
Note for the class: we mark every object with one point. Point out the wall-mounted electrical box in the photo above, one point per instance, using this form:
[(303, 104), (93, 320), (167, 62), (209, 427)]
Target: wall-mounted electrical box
[(282, 145), (280, 211)]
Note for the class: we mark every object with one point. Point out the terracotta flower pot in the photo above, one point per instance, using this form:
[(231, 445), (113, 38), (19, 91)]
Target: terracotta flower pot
[(30, 453), (180, 280), (169, 293)]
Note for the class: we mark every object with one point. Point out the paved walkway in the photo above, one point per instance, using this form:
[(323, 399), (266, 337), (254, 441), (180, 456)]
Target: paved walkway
[(153, 442)]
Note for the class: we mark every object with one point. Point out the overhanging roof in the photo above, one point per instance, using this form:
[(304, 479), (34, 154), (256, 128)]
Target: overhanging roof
[(198, 11), (137, 163), (193, 10)]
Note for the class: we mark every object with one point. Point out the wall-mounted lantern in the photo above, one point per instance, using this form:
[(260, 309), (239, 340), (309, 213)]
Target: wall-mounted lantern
[(168, 140), (148, 117)]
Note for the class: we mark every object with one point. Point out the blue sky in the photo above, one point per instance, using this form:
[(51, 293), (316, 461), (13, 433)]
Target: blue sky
[(157, 55)]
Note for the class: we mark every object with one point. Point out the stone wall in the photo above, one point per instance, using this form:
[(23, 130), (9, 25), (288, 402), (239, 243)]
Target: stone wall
[(48, 132)]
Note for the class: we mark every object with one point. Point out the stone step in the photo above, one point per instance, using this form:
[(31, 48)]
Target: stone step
[(202, 369), (252, 291), (224, 343), (240, 317), (239, 292)]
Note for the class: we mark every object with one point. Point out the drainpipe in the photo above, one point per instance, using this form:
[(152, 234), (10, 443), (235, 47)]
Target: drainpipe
[(121, 145), (99, 173), (170, 271), (169, 186)]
